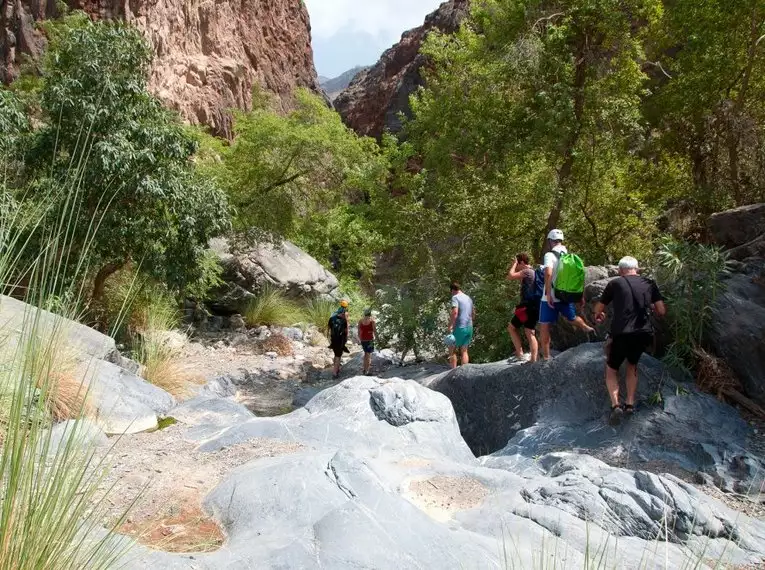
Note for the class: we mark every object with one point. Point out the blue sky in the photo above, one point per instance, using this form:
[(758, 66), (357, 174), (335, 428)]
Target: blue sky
[(347, 33)]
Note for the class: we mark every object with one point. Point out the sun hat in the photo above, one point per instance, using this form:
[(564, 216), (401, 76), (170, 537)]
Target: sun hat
[(450, 340)]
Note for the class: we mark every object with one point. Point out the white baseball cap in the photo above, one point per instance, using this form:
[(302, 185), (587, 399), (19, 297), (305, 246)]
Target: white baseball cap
[(555, 235)]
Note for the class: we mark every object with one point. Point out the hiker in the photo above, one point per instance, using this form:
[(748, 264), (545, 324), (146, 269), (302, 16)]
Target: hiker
[(631, 297), (338, 335), (526, 314), (367, 338), (460, 325), (564, 289)]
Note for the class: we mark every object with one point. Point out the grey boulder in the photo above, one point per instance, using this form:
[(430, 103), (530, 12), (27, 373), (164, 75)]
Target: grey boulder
[(737, 332), (737, 227), (506, 411), (123, 402), (381, 458), (282, 266)]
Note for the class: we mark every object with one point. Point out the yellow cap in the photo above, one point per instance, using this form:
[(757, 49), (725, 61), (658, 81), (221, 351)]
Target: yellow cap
[(344, 304)]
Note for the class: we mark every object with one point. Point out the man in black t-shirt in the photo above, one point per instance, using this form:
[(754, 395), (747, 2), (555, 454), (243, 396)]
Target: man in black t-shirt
[(631, 297)]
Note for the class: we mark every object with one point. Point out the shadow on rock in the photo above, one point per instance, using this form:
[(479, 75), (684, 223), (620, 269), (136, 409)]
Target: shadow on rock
[(514, 412)]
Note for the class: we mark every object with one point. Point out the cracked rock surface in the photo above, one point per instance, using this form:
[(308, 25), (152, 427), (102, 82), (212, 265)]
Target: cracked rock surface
[(384, 479)]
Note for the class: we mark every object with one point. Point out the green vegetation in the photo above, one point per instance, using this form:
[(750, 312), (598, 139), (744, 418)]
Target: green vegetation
[(690, 275), (272, 307), (95, 120), (317, 312), (620, 122), (53, 507), (304, 176)]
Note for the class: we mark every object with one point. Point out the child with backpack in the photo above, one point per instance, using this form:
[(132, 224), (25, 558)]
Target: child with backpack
[(338, 335), (563, 290), (526, 313)]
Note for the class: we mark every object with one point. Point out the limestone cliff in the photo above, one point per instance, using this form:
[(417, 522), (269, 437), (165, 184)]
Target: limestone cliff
[(372, 102), (208, 54)]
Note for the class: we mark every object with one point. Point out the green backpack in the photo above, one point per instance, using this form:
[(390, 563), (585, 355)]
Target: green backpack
[(569, 281)]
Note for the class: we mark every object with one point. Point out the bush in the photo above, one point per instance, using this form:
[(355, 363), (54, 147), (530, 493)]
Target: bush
[(277, 343), (271, 308), (690, 276), (317, 312), (160, 351), (53, 507), (410, 320)]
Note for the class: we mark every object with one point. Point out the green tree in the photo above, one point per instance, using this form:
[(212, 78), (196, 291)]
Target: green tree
[(110, 145), (706, 98), (531, 119), (303, 175)]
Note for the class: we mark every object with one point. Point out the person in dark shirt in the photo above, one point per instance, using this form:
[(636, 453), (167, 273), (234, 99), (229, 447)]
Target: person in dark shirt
[(631, 297), (526, 314)]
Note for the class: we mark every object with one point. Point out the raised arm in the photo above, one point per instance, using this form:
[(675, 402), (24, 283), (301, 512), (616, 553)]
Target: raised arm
[(513, 272)]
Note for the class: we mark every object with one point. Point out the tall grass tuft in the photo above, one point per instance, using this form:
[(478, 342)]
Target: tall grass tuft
[(52, 506), (691, 276), (159, 350), (317, 312), (272, 308)]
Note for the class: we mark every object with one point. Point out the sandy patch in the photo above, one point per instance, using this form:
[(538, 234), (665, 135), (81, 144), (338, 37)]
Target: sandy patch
[(171, 478), (440, 497)]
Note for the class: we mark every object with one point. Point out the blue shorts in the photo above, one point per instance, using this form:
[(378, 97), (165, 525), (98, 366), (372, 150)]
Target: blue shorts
[(368, 346), (463, 336), (548, 316)]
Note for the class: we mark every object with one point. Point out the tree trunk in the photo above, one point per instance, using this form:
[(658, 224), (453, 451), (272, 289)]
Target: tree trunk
[(99, 283), (734, 124), (566, 169)]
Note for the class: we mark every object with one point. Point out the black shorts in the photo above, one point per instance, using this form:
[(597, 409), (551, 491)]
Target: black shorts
[(630, 347), (532, 317), (338, 346)]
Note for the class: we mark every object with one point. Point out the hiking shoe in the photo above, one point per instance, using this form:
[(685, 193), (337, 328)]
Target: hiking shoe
[(629, 409), (616, 416)]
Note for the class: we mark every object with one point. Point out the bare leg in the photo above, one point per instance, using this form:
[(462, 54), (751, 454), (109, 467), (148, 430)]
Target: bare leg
[(452, 357), (516, 337), (531, 336), (632, 383), (367, 362), (612, 384), (336, 366), (464, 358), (544, 331)]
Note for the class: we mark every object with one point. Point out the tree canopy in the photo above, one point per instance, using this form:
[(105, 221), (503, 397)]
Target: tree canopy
[(110, 146)]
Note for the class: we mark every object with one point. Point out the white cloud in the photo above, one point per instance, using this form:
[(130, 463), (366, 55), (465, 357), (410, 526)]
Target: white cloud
[(385, 19)]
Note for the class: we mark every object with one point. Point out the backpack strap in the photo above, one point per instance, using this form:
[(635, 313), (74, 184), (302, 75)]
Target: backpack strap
[(638, 306)]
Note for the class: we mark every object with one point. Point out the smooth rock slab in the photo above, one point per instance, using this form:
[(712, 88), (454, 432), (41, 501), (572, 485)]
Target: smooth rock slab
[(534, 409), (123, 402)]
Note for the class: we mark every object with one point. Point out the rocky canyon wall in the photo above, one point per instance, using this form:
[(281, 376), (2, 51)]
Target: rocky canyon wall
[(372, 102), (208, 54)]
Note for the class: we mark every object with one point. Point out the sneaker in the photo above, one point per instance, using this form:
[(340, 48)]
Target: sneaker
[(525, 357), (616, 416)]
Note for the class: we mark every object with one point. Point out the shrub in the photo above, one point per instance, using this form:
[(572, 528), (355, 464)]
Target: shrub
[(690, 276), (410, 320), (67, 394), (279, 344), (52, 507), (317, 312), (160, 352), (271, 308)]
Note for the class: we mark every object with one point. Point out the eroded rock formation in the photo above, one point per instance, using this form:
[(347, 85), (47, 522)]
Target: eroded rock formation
[(372, 102), (208, 55)]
